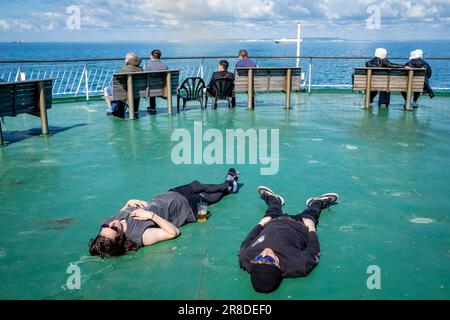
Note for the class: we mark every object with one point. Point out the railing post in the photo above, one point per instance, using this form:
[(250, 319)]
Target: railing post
[(42, 107), (86, 78), (79, 83), (19, 69), (130, 96), (409, 90), (202, 69), (368, 88), (309, 76)]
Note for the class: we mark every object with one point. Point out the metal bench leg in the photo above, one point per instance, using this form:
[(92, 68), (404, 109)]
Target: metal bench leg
[(42, 108), (1, 134)]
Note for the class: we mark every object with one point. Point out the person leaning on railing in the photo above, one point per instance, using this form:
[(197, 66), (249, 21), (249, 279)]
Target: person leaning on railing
[(380, 61), (416, 61), (155, 65), (117, 108)]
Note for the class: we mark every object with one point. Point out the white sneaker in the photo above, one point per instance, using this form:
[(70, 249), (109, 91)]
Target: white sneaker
[(262, 190)]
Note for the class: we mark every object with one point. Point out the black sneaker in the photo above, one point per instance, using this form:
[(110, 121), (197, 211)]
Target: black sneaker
[(232, 179), (326, 199), (264, 192)]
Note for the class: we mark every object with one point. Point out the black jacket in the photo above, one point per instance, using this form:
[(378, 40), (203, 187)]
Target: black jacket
[(420, 63), (296, 247), (220, 74), (382, 63)]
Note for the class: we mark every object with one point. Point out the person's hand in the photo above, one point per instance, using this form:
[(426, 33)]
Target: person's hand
[(310, 224), (137, 203), (142, 215), (265, 220)]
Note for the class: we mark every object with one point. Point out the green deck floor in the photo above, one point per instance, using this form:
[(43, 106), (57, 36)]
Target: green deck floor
[(390, 167)]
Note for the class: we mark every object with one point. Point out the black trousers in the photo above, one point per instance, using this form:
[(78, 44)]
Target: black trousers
[(274, 210), (196, 192), (152, 101), (373, 94), (416, 96)]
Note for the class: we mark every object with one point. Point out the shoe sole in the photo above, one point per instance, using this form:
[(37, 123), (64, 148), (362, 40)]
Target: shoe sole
[(324, 197), (273, 193)]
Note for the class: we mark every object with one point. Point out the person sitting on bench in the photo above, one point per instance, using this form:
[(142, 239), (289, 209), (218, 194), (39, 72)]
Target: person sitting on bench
[(416, 61), (380, 61), (117, 108), (282, 246), (155, 65), (143, 223), (244, 60)]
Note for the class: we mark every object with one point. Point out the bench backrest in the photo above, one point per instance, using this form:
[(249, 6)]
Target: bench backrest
[(389, 79), (145, 84), (21, 97), (267, 79)]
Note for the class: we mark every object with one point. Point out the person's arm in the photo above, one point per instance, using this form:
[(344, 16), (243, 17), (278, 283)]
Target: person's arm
[(165, 231), (429, 71), (135, 203), (303, 262), (255, 232), (212, 80)]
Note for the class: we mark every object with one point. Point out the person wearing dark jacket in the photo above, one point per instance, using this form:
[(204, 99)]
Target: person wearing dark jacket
[(117, 108), (380, 61), (221, 73), (281, 245), (416, 61), (155, 65)]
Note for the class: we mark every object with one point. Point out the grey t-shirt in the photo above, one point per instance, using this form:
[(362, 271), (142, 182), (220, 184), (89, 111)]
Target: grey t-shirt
[(155, 65), (170, 206)]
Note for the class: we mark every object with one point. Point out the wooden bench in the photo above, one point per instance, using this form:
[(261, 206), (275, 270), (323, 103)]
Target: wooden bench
[(146, 84), (270, 79), (407, 80), (32, 97)]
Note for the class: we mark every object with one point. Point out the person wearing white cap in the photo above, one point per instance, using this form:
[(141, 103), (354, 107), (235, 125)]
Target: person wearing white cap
[(380, 61), (416, 61)]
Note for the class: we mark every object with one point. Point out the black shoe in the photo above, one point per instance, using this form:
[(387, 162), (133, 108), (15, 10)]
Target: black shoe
[(266, 192), (109, 113), (232, 179), (325, 200)]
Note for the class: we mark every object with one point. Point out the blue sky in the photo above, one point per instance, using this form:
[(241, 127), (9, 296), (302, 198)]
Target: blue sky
[(108, 20)]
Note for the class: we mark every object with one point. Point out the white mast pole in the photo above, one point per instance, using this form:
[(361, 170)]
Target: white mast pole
[(298, 42)]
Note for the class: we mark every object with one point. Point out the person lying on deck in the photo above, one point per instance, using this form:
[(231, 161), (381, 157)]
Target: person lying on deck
[(142, 223), (416, 61), (282, 246)]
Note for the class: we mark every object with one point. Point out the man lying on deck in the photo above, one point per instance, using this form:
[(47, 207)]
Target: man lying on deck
[(143, 223), (282, 246)]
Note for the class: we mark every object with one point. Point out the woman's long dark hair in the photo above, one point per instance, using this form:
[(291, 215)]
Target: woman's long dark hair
[(106, 247)]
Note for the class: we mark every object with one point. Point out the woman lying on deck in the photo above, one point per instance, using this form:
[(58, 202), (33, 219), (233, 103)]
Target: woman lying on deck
[(143, 223)]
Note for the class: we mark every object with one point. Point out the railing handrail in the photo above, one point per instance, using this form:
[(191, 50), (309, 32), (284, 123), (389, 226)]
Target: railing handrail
[(214, 57)]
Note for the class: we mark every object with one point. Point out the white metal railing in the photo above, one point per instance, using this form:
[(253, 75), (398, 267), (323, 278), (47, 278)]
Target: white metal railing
[(87, 78)]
